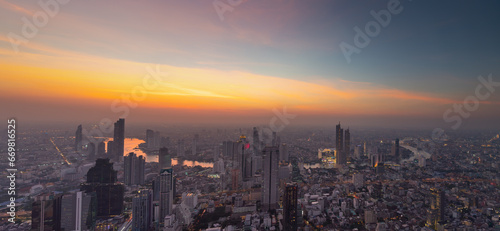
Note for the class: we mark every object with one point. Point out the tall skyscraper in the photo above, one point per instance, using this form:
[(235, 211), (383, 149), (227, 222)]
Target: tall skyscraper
[(142, 210), (290, 207), (150, 137), (274, 140), (194, 147), (91, 151), (248, 165), (284, 152), (166, 179), (157, 139), (358, 151), (256, 142), (78, 211), (110, 149), (216, 152), (164, 159), (347, 143), (227, 149), (270, 185), (133, 169), (101, 149), (119, 139), (396, 147), (102, 180), (340, 157), (78, 138), (235, 179), (240, 155), (435, 214), (256, 164), (46, 213)]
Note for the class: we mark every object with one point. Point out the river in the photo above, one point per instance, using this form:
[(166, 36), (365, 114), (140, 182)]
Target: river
[(132, 145)]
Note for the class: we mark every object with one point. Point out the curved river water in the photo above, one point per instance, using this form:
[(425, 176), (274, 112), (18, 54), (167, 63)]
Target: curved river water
[(132, 145)]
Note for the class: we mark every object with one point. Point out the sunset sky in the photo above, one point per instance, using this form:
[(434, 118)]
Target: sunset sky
[(261, 55)]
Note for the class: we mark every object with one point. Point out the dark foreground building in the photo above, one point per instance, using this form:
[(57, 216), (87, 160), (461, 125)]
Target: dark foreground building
[(290, 204), (102, 180), (46, 213)]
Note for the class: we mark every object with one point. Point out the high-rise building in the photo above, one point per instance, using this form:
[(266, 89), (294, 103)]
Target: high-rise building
[(91, 151), (133, 169), (347, 143), (142, 210), (156, 188), (119, 139), (340, 156), (377, 155), (256, 164), (194, 144), (270, 185), (256, 142), (284, 152), (150, 134), (290, 207), (110, 148), (194, 147), (358, 151), (216, 152), (436, 214), (219, 166), (78, 138), (227, 149), (153, 139), (240, 156), (46, 213), (78, 211), (102, 180), (101, 149), (164, 159), (397, 153), (156, 139), (248, 174), (166, 180), (235, 179), (274, 140)]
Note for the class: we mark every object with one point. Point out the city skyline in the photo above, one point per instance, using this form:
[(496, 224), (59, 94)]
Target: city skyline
[(228, 115)]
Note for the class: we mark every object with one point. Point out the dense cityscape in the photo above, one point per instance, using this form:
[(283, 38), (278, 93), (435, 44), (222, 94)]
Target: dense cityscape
[(246, 179)]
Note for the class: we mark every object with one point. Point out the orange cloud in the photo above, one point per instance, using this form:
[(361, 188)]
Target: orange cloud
[(43, 70), (14, 7)]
